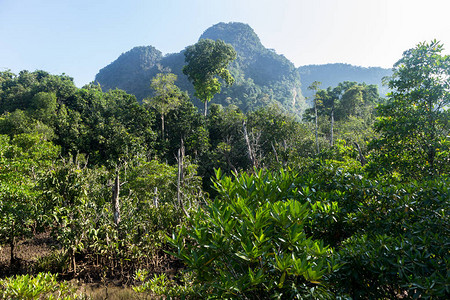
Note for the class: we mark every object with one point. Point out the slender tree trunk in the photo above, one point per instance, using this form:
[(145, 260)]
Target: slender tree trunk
[(115, 200), (251, 155), (180, 159), (275, 152), (12, 243), (362, 159), (317, 129), (155, 199), (206, 107), (331, 126), (179, 179), (74, 262), (162, 126)]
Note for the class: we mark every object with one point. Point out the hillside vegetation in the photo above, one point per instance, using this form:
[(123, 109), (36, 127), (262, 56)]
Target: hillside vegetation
[(262, 77), (252, 203)]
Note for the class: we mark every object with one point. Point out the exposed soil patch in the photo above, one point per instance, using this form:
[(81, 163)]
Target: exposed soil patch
[(91, 276), (27, 252)]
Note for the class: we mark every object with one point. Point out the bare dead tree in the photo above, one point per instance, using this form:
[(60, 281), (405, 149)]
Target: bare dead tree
[(362, 159), (115, 199), (247, 141), (156, 199), (252, 145), (180, 180), (275, 152)]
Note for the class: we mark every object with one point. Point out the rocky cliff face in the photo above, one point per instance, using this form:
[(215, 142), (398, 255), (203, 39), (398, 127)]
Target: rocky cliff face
[(262, 76), (132, 71)]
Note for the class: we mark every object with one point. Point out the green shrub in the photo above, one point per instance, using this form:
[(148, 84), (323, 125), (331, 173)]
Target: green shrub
[(41, 286), (385, 267), (250, 243), (402, 244), (56, 262), (160, 285)]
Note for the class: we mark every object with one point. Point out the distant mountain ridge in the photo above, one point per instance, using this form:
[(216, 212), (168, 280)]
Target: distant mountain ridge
[(330, 75), (131, 71), (262, 77)]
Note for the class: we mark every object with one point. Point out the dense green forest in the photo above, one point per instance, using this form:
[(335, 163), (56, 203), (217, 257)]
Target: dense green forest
[(351, 202)]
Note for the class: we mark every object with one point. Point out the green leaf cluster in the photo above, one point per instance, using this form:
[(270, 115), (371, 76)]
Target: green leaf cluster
[(414, 123), (250, 242), (41, 286), (206, 62)]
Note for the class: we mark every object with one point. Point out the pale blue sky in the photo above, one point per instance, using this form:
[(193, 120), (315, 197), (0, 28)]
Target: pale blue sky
[(78, 37)]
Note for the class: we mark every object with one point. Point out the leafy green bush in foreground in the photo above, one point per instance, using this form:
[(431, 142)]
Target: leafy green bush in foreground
[(249, 243), (41, 286), (267, 235), (403, 248)]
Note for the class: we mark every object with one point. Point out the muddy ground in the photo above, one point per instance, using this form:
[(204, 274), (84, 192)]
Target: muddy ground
[(29, 251)]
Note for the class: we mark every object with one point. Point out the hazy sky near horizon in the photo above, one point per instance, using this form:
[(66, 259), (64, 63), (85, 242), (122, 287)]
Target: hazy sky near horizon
[(79, 37)]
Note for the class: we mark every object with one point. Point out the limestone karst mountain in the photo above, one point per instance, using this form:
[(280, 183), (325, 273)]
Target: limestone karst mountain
[(261, 75)]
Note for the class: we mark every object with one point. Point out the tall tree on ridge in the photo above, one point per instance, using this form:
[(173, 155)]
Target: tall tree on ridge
[(414, 123), (207, 61)]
